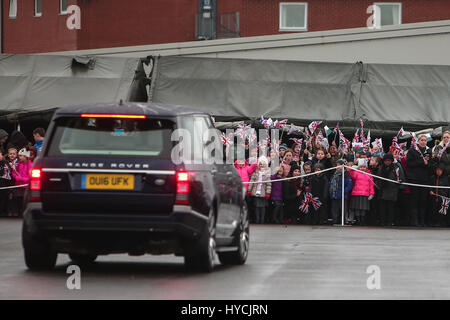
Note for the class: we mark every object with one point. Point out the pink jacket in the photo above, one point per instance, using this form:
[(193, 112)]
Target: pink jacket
[(245, 171), (362, 184), (22, 172)]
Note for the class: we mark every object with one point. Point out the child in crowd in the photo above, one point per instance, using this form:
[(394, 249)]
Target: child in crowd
[(12, 208), (12, 157), (319, 188), (261, 190), (388, 190), (6, 180), (336, 191), (439, 179), (276, 196), (292, 190), (373, 217), (286, 163), (245, 170), (363, 191), (320, 158), (253, 156), (21, 176)]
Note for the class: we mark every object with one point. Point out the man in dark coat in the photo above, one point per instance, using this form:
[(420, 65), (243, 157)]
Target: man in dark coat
[(418, 163)]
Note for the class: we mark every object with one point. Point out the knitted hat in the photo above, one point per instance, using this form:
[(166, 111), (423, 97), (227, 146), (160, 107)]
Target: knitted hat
[(388, 156), (3, 133), (263, 159), (318, 166), (283, 146), (24, 152), (362, 162)]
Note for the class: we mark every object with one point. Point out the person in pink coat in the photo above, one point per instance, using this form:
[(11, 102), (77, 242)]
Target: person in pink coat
[(245, 170), (21, 175), (363, 191)]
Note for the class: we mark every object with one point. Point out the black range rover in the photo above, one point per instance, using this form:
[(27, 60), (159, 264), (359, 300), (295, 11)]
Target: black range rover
[(105, 182)]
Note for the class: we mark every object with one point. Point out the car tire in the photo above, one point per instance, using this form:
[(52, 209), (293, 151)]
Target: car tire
[(82, 259), (242, 241), (203, 254), (37, 251)]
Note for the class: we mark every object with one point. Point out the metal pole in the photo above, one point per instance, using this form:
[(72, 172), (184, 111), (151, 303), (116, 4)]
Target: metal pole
[(343, 195)]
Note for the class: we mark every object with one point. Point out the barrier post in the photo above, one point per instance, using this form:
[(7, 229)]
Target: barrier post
[(343, 195)]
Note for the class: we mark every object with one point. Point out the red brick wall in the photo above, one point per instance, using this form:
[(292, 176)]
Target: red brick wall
[(261, 17), (113, 23), (30, 34)]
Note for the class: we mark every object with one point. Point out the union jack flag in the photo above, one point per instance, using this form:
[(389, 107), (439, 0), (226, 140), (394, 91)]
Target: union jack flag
[(310, 199), (297, 141), (445, 205), (293, 129), (313, 126), (227, 141), (267, 123), (279, 123)]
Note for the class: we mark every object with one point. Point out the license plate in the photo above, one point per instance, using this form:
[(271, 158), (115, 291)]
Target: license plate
[(107, 181)]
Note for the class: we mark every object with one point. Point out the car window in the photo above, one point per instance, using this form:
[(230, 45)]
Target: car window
[(107, 136)]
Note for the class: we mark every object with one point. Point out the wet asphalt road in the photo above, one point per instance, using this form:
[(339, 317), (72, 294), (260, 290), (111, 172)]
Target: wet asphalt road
[(294, 262)]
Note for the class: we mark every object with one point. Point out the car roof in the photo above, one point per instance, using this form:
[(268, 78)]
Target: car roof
[(134, 108)]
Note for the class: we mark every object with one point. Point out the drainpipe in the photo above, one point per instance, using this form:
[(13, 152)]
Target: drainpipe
[(1, 26)]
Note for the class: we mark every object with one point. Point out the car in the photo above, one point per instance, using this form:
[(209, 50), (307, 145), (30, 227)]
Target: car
[(106, 182)]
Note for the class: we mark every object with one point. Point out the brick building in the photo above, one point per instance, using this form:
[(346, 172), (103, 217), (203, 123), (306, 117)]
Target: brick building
[(33, 26)]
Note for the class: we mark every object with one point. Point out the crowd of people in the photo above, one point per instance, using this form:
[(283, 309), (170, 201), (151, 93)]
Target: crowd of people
[(16, 158), (373, 190)]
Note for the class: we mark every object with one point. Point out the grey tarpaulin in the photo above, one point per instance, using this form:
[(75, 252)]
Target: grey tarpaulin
[(385, 96), (31, 84)]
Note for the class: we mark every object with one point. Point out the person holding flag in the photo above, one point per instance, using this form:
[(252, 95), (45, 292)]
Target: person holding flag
[(418, 164), (442, 152)]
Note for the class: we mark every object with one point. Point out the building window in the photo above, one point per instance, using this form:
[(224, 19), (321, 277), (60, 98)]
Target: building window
[(293, 16), (12, 8), (37, 8), (63, 6), (387, 13)]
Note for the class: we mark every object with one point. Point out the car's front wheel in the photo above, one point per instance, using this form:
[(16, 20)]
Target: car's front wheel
[(37, 251)]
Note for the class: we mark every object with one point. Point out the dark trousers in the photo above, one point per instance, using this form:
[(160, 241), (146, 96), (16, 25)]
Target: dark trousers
[(277, 211), (3, 202), (387, 211), (404, 204), (260, 214), (373, 216), (419, 197), (336, 208), (437, 219), (319, 216)]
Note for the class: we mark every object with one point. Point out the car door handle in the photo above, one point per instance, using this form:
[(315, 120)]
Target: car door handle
[(229, 173)]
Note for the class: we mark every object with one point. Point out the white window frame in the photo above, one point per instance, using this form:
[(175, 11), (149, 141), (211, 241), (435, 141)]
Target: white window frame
[(388, 3), (15, 6), (61, 11), (37, 14), (281, 5)]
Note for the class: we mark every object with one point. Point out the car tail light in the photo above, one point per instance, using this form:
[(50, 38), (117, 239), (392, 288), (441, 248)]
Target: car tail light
[(182, 197), (114, 116), (35, 185)]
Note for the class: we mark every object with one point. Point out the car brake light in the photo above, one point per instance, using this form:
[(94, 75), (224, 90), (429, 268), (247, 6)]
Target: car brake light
[(116, 116), (35, 185), (182, 196)]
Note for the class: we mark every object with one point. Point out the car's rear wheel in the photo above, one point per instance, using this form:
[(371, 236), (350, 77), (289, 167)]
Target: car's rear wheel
[(242, 241), (82, 259), (37, 251), (202, 257)]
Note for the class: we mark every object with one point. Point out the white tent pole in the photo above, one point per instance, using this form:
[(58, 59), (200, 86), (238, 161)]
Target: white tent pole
[(343, 195)]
